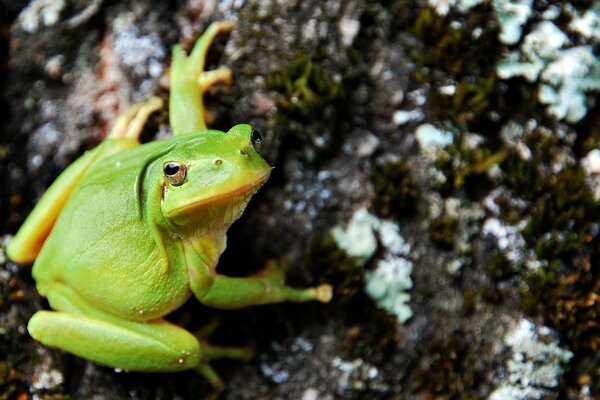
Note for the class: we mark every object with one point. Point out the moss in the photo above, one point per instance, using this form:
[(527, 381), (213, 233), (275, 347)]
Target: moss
[(465, 168), (450, 370), (309, 97), (394, 189), (451, 52), (453, 47), (442, 231), (470, 101), (569, 302), (371, 329), (12, 384), (591, 379), (561, 229), (305, 87), (469, 300), (498, 267), (335, 267)]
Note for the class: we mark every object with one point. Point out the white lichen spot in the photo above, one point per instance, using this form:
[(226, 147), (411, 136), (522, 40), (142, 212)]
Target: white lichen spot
[(143, 55), (54, 66), (591, 166), (535, 366), (310, 394), (45, 380), (509, 240), (441, 7), (432, 139), (448, 90), (358, 239), (512, 136), (402, 117), (348, 28), (356, 374), (41, 13), (367, 145), (588, 24), (468, 216), (512, 14)]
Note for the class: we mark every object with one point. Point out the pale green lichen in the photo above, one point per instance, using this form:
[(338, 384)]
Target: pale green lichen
[(565, 74), (588, 24), (536, 364), (390, 280), (429, 136), (358, 239), (512, 16)]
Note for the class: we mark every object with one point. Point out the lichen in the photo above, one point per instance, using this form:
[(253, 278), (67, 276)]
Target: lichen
[(543, 231), (565, 74), (41, 13), (536, 364), (387, 284)]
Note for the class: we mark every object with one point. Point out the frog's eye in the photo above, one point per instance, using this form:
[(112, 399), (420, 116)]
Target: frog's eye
[(175, 172), (256, 140)]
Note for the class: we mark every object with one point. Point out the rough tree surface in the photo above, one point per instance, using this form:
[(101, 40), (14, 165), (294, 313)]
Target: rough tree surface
[(436, 161)]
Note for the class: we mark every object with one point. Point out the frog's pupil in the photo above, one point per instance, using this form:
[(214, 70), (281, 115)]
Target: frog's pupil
[(256, 140), (256, 136), (171, 168)]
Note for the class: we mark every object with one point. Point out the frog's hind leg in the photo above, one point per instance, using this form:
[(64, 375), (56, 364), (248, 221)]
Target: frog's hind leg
[(150, 346), (129, 125), (156, 346), (81, 329), (28, 241), (189, 81)]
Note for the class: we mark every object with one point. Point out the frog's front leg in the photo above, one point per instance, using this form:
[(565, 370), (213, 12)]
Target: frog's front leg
[(189, 81), (27, 243), (225, 292)]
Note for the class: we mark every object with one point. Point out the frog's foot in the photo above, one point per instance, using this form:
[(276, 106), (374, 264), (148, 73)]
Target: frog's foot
[(189, 81), (130, 124), (275, 271), (210, 78), (191, 67)]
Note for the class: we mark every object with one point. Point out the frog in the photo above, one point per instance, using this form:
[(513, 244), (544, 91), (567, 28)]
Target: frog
[(130, 231)]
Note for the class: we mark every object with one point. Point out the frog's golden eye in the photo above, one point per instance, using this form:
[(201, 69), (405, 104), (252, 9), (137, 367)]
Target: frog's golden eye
[(175, 172), (256, 140)]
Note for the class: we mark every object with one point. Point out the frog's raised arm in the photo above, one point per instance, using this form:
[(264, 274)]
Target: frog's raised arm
[(189, 81)]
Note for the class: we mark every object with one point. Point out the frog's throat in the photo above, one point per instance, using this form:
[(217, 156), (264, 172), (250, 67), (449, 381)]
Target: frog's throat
[(243, 192)]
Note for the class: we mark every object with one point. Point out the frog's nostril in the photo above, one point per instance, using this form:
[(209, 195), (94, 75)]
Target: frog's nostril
[(218, 161)]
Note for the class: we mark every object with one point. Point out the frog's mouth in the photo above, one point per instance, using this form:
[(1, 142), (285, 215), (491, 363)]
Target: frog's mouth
[(231, 204)]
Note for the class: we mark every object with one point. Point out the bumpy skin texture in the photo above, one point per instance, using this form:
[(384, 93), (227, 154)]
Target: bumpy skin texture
[(128, 232)]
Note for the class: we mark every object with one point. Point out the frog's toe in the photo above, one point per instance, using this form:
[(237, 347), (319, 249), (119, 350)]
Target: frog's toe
[(324, 293), (207, 79)]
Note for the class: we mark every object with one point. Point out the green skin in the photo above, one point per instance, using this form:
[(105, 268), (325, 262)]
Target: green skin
[(119, 243)]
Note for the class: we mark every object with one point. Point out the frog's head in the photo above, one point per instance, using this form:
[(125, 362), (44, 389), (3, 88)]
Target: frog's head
[(208, 180)]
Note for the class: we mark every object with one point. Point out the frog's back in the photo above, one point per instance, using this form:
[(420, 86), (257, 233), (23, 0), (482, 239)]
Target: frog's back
[(103, 241)]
